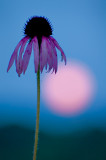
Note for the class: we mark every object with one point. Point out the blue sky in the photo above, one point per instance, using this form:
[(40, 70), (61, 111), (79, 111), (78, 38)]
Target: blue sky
[(79, 27)]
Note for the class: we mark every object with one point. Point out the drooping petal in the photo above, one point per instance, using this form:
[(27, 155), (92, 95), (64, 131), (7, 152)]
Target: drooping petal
[(49, 55), (36, 53), (25, 39), (54, 54), (59, 48), (19, 62), (19, 69), (26, 56), (14, 55), (43, 53)]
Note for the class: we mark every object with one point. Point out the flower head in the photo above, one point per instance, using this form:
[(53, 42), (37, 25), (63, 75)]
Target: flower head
[(37, 38)]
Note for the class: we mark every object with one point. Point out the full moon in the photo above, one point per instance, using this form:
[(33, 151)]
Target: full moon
[(70, 90)]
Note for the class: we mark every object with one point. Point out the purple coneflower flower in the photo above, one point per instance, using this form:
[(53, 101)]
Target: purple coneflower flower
[(37, 37)]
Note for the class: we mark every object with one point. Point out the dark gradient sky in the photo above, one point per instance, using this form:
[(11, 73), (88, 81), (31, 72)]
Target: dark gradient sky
[(79, 27)]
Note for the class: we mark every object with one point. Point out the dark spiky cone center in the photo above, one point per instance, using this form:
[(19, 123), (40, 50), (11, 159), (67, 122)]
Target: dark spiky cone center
[(38, 26)]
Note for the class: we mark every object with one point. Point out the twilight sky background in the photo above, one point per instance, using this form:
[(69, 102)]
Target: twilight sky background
[(80, 29)]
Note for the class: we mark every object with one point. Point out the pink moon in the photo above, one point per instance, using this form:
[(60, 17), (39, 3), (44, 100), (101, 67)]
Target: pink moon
[(70, 90)]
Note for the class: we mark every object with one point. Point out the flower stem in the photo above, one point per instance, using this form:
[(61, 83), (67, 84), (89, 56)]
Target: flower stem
[(37, 115)]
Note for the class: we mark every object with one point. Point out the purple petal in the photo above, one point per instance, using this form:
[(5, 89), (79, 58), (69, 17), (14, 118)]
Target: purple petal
[(59, 48), (22, 47), (19, 62), (49, 55), (14, 55), (43, 53), (54, 54), (36, 53), (19, 69), (26, 56)]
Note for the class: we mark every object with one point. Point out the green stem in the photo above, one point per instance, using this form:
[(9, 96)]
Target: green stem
[(37, 115)]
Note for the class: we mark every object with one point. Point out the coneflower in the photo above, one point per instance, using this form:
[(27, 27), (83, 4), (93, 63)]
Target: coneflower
[(38, 37)]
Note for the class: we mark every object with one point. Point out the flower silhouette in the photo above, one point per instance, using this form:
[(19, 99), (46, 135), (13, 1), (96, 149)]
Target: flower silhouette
[(37, 38)]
